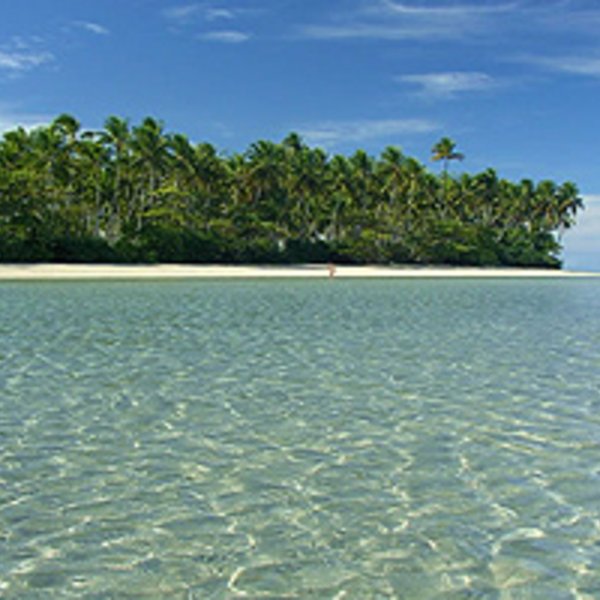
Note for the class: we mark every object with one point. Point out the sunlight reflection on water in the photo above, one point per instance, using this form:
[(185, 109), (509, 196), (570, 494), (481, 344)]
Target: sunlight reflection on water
[(314, 439)]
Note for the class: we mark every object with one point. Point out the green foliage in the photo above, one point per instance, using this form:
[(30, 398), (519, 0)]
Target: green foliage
[(140, 194)]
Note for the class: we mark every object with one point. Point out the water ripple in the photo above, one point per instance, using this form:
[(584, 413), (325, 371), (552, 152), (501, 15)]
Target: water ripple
[(300, 439)]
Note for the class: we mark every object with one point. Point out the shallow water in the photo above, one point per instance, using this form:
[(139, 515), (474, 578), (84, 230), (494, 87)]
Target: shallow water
[(300, 439)]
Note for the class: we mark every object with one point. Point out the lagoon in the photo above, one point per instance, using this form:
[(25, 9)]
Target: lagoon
[(300, 438)]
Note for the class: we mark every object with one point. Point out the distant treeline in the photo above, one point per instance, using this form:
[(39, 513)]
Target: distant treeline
[(139, 194)]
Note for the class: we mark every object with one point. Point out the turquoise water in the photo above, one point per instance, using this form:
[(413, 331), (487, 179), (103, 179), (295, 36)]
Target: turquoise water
[(300, 439)]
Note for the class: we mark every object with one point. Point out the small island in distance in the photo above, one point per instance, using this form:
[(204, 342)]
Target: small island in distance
[(137, 194)]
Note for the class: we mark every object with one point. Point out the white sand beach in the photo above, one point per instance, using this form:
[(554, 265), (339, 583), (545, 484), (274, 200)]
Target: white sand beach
[(20, 272)]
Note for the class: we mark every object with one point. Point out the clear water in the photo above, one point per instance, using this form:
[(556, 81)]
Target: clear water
[(300, 439)]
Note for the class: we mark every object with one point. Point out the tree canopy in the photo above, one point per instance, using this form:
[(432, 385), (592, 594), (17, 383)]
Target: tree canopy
[(141, 194)]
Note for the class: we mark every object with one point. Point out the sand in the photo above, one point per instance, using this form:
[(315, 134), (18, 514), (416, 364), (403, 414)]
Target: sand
[(20, 272)]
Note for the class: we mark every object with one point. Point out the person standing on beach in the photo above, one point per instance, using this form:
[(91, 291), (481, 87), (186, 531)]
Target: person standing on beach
[(331, 269)]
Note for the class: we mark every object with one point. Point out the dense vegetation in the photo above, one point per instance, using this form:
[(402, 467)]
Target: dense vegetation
[(138, 194)]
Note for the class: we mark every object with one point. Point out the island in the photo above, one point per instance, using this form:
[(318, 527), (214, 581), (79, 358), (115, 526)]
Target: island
[(138, 194)]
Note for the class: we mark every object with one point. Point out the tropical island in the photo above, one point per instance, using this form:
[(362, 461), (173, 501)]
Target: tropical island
[(138, 194)]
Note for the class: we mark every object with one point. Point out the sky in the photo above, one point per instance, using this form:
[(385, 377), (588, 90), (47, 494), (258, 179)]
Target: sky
[(516, 83)]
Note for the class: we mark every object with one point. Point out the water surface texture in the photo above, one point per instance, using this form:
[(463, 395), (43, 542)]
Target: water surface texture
[(300, 439)]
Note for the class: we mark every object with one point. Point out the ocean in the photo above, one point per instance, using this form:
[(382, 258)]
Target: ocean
[(360, 439)]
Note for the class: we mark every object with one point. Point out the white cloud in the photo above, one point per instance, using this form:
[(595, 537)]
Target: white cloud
[(461, 11), (388, 20), (587, 228), (214, 14), (335, 132), (188, 13), (364, 31), (11, 119), (210, 17), (22, 54), (92, 27), (569, 17), (182, 13), (577, 65), (582, 242), (450, 83), (227, 37), (23, 60)]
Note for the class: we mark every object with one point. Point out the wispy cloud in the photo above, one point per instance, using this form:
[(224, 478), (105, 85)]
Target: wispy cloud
[(577, 65), (22, 54), (19, 61), (388, 20), (450, 83), (11, 119), (92, 27), (568, 16), (389, 7), (226, 37), (208, 15), (463, 20), (182, 13), (199, 11), (331, 133), (215, 14), (363, 31)]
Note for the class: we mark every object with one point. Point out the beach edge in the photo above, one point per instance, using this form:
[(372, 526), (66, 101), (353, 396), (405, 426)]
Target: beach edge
[(61, 271)]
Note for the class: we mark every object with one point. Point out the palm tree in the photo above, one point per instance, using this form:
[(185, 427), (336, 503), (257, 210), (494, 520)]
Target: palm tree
[(21, 203), (197, 178), (116, 136), (362, 184), (393, 177), (213, 178), (266, 178), (67, 127), (58, 182), (93, 157), (183, 189), (568, 203), (339, 188), (151, 155), (545, 210), (307, 199), (487, 196), (445, 150)]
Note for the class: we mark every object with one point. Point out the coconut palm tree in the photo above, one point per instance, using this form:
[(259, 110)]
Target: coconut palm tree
[(93, 158), (391, 171), (339, 189), (266, 178), (150, 148), (445, 151), (58, 183), (116, 138), (307, 177), (568, 203)]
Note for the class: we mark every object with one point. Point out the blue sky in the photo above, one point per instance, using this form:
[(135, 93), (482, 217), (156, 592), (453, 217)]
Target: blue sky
[(515, 82)]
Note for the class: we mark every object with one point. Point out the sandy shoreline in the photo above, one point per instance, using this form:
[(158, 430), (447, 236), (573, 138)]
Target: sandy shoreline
[(20, 272)]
